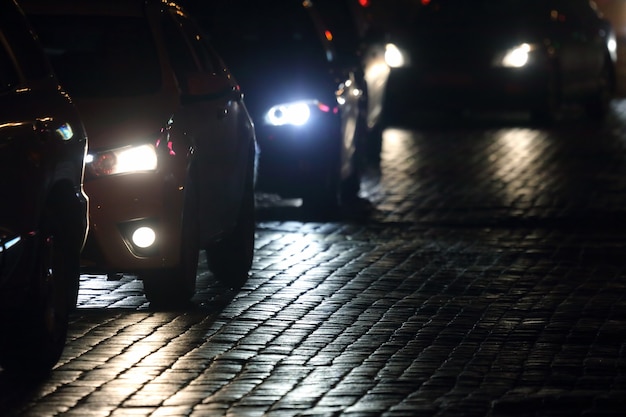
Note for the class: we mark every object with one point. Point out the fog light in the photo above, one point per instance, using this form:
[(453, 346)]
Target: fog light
[(144, 237)]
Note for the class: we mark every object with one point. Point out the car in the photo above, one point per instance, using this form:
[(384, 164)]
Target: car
[(355, 25), (534, 56), (304, 96), (43, 215), (172, 162)]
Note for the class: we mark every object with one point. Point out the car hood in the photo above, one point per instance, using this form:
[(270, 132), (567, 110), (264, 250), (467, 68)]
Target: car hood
[(116, 122)]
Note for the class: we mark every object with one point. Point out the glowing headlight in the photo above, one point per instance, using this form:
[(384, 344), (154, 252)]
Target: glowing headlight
[(516, 57), (611, 44), (123, 160), (144, 237), (297, 114), (394, 57)]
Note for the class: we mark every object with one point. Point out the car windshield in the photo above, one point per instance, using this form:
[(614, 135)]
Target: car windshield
[(460, 14), (273, 31), (484, 8), (100, 56)]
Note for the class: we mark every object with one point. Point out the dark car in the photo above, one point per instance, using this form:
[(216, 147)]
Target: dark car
[(43, 214), (519, 55), (172, 147), (303, 95)]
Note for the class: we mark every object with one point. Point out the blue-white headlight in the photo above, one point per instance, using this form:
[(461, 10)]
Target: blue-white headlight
[(296, 113)]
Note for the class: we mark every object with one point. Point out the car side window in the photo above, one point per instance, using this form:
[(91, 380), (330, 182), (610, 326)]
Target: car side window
[(23, 43), (182, 59), (8, 75), (207, 60)]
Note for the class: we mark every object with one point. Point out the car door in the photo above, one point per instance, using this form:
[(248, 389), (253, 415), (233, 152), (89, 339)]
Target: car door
[(213, 115), (27, 148)]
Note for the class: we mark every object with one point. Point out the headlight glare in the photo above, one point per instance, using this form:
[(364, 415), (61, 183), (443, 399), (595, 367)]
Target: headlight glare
[(394, 57), (516, 57), (297, 114), (124, 160)]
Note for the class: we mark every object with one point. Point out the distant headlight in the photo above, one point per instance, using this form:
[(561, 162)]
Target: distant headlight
[(346, 89), (395, 57), (123, 160), (611, 45), (516, 57)]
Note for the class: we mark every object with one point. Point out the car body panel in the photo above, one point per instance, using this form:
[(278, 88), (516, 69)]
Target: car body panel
[(42, 146), (44, 209), (190, 111)]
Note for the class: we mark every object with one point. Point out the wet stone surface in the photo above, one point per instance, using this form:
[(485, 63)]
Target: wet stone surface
[(486, 279)]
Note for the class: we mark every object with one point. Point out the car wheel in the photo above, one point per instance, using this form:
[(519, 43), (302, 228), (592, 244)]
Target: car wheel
[(36, 337), (374, 145), (174, 287), (230, 259), (351, 186), (598, 104)]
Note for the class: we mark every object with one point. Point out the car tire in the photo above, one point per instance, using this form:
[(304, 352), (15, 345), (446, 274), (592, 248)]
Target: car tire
[(174, 287), (230, 259), (35, 339), (374, 145)]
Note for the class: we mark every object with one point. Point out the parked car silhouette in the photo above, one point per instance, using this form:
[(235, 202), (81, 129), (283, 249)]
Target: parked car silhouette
[(172, 148), (43, 215)]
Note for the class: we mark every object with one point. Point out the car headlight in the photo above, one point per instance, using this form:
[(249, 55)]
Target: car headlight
[(516, 57), (611, 46), (123, 160), (296, 113), (395, 57)]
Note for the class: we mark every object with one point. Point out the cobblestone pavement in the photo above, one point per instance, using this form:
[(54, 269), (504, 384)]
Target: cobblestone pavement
[(487, 280)]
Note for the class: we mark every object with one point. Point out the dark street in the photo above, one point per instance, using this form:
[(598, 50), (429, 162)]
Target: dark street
[(478, 271), (488, 279)]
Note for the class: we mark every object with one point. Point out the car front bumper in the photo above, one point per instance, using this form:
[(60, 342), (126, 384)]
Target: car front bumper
[(121, 204)]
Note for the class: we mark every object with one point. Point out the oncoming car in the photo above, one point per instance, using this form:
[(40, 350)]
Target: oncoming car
[(172, 148), (305, 97), (43, 215), (537, 56)]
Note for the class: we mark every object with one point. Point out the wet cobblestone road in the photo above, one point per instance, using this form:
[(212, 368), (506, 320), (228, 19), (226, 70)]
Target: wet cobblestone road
[(487, 280)]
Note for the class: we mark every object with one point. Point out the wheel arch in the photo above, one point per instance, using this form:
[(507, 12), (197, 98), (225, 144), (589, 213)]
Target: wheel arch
[(64, 202)]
